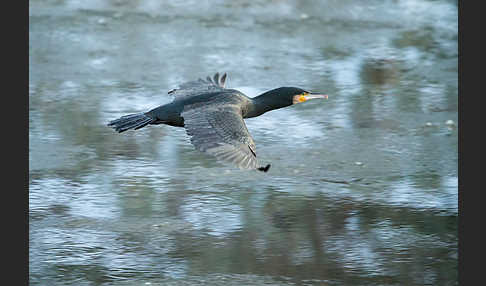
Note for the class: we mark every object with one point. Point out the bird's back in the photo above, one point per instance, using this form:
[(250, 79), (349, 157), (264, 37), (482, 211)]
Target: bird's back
[(201, 94)]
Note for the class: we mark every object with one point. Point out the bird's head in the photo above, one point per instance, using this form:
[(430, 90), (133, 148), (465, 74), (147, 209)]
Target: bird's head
[(281, 97), (295, 95)]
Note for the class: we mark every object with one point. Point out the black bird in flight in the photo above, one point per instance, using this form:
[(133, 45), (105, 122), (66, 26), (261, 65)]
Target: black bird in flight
[(213, 117)]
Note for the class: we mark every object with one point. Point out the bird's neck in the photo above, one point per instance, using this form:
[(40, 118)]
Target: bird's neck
[(265, 102)]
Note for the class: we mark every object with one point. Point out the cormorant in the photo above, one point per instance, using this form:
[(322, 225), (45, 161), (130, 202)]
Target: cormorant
[(213, 117)]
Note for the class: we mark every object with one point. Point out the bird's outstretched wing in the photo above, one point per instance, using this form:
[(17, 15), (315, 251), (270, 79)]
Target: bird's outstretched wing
[(220, 130), (196, 87)]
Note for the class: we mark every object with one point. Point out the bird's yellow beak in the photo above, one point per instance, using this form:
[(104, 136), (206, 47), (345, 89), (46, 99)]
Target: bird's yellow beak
[(315, 95), (307, 96)]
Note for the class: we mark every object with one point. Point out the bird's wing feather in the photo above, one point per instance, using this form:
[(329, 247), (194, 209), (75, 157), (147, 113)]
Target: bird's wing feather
[(197, 87), (220, 130)]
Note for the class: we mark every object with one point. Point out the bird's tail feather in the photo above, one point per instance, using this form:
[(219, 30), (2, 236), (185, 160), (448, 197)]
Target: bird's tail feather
[(131, 121)]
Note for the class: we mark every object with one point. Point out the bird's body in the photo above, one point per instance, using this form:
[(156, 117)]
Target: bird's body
[(170, 113), (213, 116)]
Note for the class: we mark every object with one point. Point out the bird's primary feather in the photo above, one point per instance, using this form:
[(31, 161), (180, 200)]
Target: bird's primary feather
[(219, 130), (198, 87)]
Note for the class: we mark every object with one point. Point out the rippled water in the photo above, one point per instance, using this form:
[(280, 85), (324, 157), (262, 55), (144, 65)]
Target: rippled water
[(363, 186)]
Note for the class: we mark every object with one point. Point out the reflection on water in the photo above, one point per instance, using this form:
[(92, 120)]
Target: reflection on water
[(363, 186)]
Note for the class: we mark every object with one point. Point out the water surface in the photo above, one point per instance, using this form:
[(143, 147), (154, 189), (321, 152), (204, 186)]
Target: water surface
[(146, 208)]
